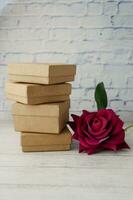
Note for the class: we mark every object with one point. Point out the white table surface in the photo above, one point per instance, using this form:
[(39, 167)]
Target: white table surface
[(63, 175)]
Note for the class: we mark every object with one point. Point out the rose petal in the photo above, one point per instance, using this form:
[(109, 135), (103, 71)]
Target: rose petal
[(72, 125), (90, 151), (101, 134), (85, 113), (118, 126), (110, 146), (116, 139), (123, 145), (106, 113), (75, 118), (90, 137), (75, 136), (83, 142), (104, 122), (94, 150), (96, 124), (90, 118), (91, 142)]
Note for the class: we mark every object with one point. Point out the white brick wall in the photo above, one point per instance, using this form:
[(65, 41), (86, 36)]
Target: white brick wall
[(97, 35)]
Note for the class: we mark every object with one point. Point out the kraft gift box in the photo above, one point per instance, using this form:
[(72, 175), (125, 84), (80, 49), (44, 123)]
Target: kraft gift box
[(41, 73), (46, 142), (37, 94), (43, 118)]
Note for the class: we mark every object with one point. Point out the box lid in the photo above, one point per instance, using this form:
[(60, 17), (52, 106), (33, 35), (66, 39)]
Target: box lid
[(31, 139), (49, 110), (36, 90), (42, 69)]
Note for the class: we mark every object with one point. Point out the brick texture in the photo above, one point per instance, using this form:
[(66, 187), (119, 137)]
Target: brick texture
[(96, 35)]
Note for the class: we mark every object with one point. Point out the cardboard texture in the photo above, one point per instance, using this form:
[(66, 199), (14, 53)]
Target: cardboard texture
[(33, 139), (41, 73), (44, 118), (62, 147), (37, 94)]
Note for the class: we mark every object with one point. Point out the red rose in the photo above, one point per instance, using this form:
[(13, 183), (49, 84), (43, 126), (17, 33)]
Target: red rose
[(99, 130)]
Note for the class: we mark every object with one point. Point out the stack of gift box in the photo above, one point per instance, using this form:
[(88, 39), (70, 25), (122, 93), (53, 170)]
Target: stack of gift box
[(42, 104)]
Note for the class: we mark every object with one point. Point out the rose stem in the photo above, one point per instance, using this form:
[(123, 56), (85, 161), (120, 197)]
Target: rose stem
[(130, 126)]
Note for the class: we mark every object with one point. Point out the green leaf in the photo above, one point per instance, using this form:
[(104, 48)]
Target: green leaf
[(101, 96)]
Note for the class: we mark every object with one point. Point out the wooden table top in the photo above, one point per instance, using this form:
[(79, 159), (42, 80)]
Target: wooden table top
[(63, 175)]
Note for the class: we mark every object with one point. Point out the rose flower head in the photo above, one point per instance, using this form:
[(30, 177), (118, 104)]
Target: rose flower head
[(99, 130)]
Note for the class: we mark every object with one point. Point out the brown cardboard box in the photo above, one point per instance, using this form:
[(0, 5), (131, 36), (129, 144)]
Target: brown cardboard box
[(41, 73), (33, 139), (63, 147), (46, 142), (43, 118), (37, 94)]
